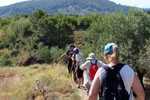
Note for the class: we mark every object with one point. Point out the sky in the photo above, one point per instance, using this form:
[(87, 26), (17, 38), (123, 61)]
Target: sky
[(136, 3), (8, 2)]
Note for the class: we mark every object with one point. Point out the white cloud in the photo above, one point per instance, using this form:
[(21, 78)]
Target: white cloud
[(8, 2), (137, 3)]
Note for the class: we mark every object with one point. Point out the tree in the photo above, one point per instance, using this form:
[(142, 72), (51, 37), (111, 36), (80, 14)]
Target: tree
[(130, 32), (55, 31)]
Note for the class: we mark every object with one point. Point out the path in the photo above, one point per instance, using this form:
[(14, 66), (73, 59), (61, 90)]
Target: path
[(83, 94)]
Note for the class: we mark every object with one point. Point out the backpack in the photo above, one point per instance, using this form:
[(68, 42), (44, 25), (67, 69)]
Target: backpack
[(112, 87), (93, 70)]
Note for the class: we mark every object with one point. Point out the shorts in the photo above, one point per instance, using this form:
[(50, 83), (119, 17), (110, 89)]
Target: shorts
[(79, 73)]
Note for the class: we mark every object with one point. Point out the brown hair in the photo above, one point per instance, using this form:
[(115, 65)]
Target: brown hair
[(113, 55)]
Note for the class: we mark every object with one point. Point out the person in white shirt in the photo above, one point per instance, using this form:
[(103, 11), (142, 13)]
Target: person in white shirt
[(91, 60), (129, 77), (79, 61)]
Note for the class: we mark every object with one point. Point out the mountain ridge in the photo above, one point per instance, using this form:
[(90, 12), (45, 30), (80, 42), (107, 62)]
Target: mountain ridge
[(80, 7)]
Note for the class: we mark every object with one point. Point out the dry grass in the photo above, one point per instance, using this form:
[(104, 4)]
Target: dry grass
[(18, 83)]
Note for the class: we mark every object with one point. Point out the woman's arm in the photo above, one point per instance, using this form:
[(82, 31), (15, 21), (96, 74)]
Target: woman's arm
[(63, 55), (95, 87), (138, 89), (84, 66)]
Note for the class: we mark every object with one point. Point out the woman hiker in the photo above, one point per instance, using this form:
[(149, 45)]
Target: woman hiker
[(116, 81), (92, 63)]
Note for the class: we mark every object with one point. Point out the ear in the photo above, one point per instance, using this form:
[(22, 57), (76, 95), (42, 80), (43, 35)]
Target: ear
[(106, 57)]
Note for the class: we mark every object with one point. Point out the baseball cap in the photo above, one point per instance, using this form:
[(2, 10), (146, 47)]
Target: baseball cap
[(75, 50), (109, 48)]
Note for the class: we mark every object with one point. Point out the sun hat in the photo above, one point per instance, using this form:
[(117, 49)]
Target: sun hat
[(108, 47), (75, 50), (92, 56), (71, 45)]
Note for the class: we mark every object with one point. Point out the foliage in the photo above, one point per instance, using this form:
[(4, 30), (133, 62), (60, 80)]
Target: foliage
[(5, 60), (4, 22), (38, 38), (43, 53), (55, 31), (41, 38), (130, 32)]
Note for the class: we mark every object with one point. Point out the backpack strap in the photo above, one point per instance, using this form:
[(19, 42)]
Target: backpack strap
[(91, 63), (94, 64), (106, 68), (118, 67)]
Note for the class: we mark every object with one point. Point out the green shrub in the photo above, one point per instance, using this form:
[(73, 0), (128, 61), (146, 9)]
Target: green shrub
[(5, 60), (43, 53), (49, 55), (55, 53)]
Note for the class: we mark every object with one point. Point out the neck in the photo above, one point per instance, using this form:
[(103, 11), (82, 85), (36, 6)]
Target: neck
[(112, 63)]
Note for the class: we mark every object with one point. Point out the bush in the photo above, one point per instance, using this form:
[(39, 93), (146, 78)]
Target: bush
[(43, 53), (55, 53), (5, 61), (49, 55)]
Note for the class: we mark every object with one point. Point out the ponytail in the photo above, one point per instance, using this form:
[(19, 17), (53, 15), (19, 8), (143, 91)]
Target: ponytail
[(114, 55)]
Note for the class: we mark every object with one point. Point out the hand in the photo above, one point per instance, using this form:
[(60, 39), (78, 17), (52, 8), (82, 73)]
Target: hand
[(56, 61)]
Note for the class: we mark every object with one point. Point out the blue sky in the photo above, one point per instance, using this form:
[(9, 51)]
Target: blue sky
[(136, 3)]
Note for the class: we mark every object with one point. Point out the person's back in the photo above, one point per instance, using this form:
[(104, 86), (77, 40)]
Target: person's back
[(87, 65), (91, 60), (79, 61), (80, 58), (127, 75), (129, 78)]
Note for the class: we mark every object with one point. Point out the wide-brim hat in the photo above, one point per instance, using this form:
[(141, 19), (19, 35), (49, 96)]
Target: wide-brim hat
[(71, 45), (92, 56)]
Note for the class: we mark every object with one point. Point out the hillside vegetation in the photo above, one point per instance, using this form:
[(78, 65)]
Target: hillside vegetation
[(81, 7), (21, 83), (40, 38)]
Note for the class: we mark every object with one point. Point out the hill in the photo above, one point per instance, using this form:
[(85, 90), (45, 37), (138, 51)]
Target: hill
[(81, 7)]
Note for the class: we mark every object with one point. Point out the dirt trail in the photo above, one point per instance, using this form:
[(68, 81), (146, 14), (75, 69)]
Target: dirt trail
[(82, 91), (83, 94)]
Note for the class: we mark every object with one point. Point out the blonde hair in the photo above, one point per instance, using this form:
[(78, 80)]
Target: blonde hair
[(113, 55)]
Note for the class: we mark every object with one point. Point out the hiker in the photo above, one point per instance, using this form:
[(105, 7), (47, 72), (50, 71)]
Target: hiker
[(115, 81), (79, 61), (90, 68), (69, 53)]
